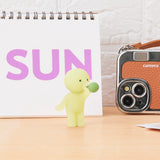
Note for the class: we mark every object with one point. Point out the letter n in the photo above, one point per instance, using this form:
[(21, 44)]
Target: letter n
[(70, 59)]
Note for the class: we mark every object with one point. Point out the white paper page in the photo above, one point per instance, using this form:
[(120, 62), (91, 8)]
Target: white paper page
[(31, 96)]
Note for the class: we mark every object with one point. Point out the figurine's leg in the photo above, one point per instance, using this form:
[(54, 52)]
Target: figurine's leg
[(71, 121), (80, 119)]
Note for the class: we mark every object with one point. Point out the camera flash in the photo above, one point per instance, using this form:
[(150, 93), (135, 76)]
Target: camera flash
[(126, 88)]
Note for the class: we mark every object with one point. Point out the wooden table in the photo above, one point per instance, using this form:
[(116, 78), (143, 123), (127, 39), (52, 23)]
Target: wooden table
[(114, 136)]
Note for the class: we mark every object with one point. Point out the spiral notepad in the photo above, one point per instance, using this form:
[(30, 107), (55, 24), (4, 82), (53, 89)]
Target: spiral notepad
[(36, 51)]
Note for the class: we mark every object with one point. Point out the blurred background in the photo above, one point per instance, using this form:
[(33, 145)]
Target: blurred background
[(121, 22)]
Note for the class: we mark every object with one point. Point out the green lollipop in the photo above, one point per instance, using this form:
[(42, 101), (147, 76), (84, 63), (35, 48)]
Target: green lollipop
[(93, 87)]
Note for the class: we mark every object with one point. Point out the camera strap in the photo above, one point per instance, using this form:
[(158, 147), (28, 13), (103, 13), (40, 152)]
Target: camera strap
[(155, 43)]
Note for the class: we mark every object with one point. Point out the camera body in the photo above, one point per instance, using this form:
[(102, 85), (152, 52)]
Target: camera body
[(138, 81)]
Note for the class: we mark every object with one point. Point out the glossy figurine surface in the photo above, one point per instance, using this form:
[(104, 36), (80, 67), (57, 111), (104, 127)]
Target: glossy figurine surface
[(78, 83)]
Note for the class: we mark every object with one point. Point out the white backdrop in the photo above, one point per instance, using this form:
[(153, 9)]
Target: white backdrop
[(121, 22)]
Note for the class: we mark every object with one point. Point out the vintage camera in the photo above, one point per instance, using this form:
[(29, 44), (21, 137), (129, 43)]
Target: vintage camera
[(138, 81)]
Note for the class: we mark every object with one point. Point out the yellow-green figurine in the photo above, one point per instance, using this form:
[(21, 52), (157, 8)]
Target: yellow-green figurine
[(78, 83)]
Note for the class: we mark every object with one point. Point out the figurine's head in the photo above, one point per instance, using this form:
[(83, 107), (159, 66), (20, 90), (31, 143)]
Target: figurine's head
[(76, 80)]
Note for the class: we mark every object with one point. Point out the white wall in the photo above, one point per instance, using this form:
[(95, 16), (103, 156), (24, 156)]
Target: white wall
[(121, 22)]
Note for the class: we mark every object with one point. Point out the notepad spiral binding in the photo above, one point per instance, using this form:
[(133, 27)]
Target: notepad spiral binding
[(42, 15)]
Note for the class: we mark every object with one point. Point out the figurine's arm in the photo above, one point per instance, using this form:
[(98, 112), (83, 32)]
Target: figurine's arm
[(61, 106)]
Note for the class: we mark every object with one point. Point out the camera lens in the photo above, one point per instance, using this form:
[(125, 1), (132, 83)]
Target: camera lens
[(128, 101), (139, 90)]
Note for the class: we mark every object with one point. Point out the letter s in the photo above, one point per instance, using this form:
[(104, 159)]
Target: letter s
[(17, 64)]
